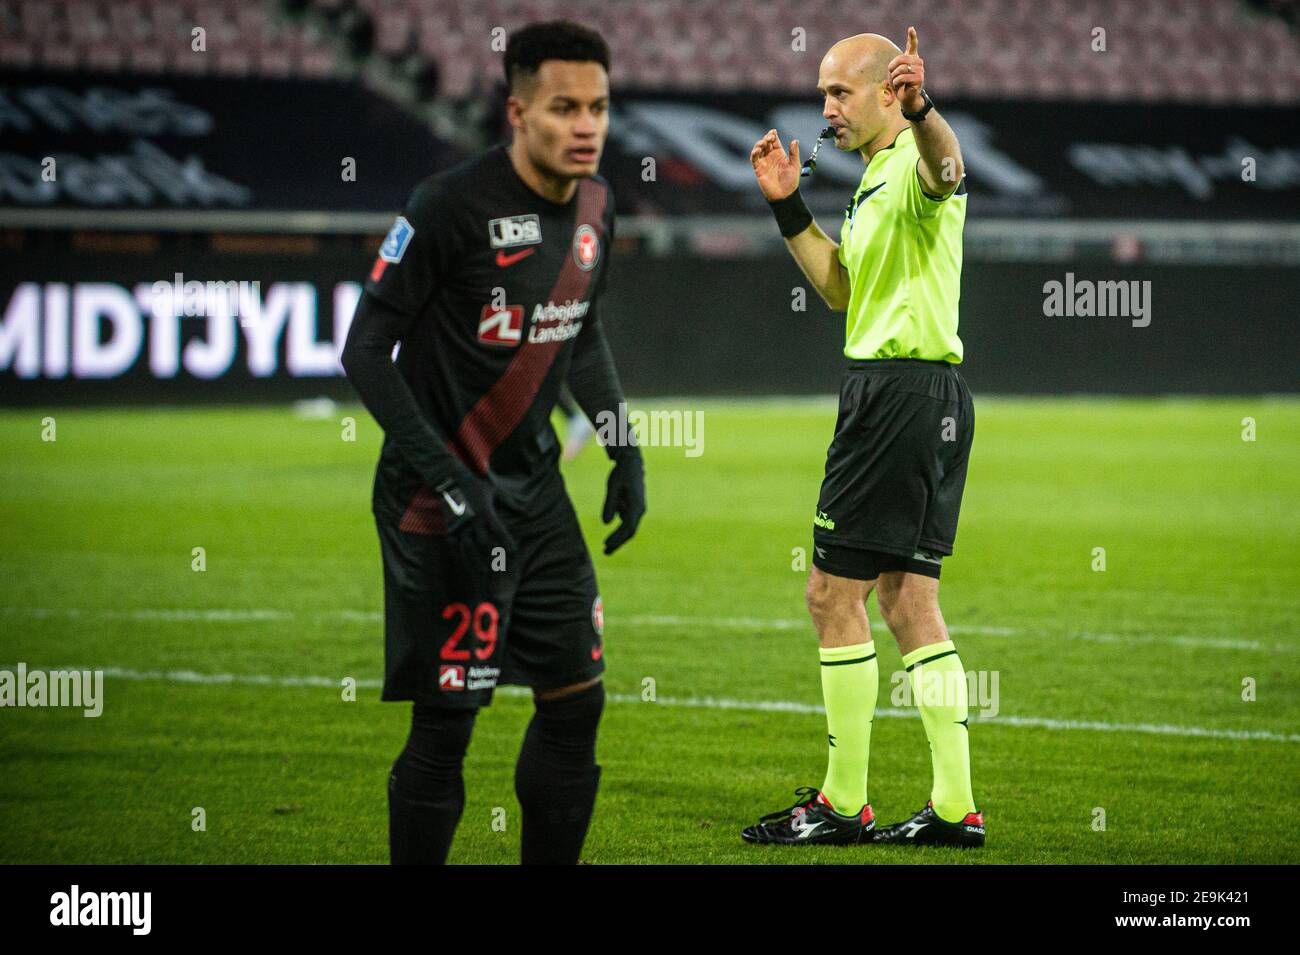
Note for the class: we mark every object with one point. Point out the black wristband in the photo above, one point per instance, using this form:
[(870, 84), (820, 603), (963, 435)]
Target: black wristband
[(792, 216)]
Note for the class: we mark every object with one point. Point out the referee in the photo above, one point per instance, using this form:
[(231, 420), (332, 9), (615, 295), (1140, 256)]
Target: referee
[(895, 470)]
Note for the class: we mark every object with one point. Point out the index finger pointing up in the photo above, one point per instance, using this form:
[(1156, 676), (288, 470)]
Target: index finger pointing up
[(911, 39)]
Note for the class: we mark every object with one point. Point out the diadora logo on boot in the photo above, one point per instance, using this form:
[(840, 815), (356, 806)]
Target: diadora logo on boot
[(803, 827), (913, 827)]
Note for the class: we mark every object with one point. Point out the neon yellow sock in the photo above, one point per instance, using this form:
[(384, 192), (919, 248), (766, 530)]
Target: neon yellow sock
[(850, 683), (939, 690)]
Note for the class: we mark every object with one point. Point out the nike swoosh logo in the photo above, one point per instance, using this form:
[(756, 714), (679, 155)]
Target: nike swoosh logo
[(503, 260), (457, 509)]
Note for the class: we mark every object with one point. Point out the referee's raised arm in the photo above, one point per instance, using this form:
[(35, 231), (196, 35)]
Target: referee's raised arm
[(817, 254), (940, 166)]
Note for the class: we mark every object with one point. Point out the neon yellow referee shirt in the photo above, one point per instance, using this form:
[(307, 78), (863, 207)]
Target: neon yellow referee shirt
[(902, 251)]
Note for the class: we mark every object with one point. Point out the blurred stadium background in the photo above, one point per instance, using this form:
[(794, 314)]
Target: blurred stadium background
[(1171, 155), (1164, 148)]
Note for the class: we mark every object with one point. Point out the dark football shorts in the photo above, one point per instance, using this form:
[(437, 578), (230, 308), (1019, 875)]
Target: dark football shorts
[(895, 470), (455, 629)]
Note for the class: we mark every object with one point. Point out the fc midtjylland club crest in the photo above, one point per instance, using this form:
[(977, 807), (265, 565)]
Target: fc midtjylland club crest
[(586, 248), (598, 616)]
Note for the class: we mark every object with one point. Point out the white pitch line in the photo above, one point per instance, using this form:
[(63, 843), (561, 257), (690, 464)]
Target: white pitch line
[(638, 620), (756, 623), (1215, 643), (192, 677), (753, 623), (169, 616)]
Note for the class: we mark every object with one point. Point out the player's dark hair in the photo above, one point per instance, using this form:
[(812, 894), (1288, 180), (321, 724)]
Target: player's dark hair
[(532, 45)]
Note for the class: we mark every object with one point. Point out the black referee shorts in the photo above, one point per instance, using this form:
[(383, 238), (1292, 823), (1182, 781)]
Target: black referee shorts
[(454, 628), (895, 470)]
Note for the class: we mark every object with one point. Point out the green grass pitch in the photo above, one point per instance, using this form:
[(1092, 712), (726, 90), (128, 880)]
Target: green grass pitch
[(1120, 690)]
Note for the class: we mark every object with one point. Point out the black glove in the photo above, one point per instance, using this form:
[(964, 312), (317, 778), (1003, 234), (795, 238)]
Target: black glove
[(625, 497), (466, 504)]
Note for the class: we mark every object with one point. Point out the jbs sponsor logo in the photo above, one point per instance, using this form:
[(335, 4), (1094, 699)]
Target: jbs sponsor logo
[(515, 230)]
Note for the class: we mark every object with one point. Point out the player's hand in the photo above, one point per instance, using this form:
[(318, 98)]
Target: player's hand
[(625, 496), (777, 172), (466, 505), (907, 75)]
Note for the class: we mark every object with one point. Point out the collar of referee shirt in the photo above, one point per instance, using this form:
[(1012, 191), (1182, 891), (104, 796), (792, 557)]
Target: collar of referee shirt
[(866, 163), (892, 143)]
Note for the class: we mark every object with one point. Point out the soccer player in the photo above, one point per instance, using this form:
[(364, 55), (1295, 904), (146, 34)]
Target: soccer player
[(489, 280), (896, 467)]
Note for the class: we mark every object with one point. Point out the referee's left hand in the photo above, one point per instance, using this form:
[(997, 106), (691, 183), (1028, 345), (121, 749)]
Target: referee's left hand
[(625, 496), (907, 75)]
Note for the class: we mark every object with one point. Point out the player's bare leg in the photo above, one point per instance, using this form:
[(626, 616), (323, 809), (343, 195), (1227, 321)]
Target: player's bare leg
[(556, 777), (910, 605), (838, 608)]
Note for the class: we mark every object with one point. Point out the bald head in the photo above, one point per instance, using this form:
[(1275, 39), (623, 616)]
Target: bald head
[(864, 56), (857, 101)]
